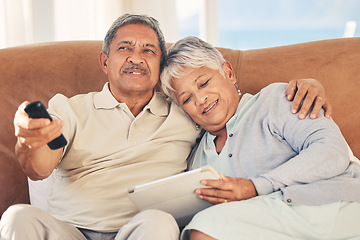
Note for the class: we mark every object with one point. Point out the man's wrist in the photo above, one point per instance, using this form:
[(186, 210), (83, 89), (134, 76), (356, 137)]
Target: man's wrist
[(21, 147)]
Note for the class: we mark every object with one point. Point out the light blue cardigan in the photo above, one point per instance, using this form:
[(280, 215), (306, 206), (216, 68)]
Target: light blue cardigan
[(307, 160)]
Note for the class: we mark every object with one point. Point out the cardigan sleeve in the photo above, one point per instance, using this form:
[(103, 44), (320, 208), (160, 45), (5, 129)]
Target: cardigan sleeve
[(321, 149)]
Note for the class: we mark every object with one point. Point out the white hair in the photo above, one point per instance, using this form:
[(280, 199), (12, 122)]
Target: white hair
[(189, 52)]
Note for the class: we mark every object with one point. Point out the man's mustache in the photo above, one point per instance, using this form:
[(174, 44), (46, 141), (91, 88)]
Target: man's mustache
[(133, 67)]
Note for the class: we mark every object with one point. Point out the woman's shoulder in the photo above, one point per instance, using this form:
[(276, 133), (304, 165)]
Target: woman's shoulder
[(274, 93), (277, 87)]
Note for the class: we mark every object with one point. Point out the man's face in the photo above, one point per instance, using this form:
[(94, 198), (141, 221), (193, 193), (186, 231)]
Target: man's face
[(133, 65)]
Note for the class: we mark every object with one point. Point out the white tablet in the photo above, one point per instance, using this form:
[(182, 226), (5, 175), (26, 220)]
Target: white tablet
[(175, 195)]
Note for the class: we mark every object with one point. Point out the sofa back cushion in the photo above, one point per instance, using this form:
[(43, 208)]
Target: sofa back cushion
[(38, 72)]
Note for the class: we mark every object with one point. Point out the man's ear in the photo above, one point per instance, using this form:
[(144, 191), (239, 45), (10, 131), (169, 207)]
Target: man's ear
[(229, 72), (103, 58)]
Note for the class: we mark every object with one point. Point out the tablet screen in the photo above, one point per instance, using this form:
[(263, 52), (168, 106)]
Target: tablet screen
[(175, 194)]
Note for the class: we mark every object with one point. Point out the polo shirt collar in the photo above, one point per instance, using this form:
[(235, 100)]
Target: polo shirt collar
[(158, 104), (105, 99)]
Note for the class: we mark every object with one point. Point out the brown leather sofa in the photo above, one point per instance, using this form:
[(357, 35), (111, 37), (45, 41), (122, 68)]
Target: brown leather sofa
[(37, 72)]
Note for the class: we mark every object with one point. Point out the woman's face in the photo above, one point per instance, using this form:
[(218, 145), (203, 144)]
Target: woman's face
[(207, 96)]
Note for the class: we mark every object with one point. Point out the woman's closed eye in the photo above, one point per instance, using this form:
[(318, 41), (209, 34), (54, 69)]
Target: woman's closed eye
[(205, 83), (186, 100)]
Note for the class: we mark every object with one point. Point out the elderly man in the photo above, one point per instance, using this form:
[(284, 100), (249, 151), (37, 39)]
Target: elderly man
[(125, 135)]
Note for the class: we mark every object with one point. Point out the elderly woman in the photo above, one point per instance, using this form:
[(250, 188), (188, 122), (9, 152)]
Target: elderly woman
[(283, 178)]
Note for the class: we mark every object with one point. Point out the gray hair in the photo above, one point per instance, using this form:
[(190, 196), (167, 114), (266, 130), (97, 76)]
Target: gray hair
[(127, 19), (189, 52)]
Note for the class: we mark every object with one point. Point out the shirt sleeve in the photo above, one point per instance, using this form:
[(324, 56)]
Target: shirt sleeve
[(59, 108)]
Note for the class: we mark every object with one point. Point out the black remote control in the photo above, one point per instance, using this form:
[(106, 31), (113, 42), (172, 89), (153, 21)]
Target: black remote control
[(37, 110)]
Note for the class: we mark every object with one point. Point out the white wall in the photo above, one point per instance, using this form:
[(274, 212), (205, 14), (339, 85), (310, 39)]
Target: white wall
[(29, 21)]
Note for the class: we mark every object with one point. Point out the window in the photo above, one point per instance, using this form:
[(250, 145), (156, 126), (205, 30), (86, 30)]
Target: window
[(246, 24)]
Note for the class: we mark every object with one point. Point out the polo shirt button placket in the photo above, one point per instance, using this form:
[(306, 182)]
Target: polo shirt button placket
[(230, 135)]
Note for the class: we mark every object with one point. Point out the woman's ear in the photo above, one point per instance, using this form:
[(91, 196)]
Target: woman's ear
[(229, 72)]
